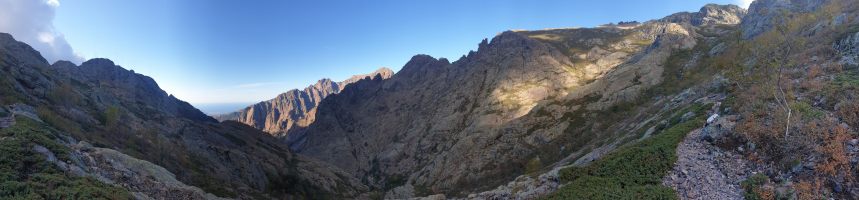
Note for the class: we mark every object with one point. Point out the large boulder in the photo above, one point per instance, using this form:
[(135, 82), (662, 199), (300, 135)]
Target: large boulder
[(763, 15), (849, 49)]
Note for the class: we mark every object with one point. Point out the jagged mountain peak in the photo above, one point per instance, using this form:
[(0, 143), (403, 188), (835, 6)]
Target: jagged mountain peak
[(295, 108), (382, 72), (98, 62), (421, 62)]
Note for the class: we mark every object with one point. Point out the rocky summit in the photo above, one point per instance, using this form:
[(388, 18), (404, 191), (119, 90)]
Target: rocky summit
[(722, 103)]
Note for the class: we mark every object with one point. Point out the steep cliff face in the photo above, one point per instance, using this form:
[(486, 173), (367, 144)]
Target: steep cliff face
[(295, 108), (441, 127), (126, 116)]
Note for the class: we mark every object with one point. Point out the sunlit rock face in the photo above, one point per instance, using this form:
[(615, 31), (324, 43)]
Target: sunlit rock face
[(710, 14), (473, 123), (295, 108)]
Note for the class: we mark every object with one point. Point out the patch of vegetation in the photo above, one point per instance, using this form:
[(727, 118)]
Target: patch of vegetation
[(677, 117), (64, 94), (395, 181), (533, 166), (807, 110), (847, 80), (751, 186), (58, 121), (686, 67), (421, 191), (290, 183), (26, 174), (630, 172), (8, 95), (110, 117), (376, 195)]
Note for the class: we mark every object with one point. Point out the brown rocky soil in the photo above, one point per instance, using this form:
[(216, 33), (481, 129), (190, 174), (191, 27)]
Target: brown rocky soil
[(704, 171)]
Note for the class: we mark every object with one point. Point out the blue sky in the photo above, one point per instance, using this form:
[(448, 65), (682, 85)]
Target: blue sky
[(248, 51)]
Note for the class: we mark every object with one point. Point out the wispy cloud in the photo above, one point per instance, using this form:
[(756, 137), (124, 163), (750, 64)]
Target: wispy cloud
[(32, 21), (744, 3)]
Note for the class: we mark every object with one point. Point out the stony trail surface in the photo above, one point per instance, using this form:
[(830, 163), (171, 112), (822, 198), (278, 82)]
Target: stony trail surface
[(704, 171)]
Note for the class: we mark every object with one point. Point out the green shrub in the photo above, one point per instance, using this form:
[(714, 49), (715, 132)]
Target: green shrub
[(58, 121), (26, 174), (64, 95), (630, 172), (533, 166), (111, 116), (807, 110), (8, 95), (750, 184), (848, 79), (395, 181)]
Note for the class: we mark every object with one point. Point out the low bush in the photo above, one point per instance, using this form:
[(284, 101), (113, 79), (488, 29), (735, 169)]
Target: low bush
[(533, 166), (26, 174), (848, 111), (752, 186), (630, 172)]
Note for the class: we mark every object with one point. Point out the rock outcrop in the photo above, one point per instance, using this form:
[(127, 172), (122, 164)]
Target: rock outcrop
[(763, 15), (295, 108), (711, 14), (849, 49)]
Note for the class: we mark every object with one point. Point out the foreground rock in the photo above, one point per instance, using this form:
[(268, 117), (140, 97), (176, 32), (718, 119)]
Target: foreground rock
[(144, 179)]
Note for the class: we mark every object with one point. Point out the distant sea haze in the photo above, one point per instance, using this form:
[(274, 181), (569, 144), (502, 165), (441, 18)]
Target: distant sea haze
[(220, 108)]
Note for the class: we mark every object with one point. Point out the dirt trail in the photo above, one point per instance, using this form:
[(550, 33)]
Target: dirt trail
[(704, 171)]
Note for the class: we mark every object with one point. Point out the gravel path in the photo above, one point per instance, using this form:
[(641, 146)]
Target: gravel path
[(704, 171)]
